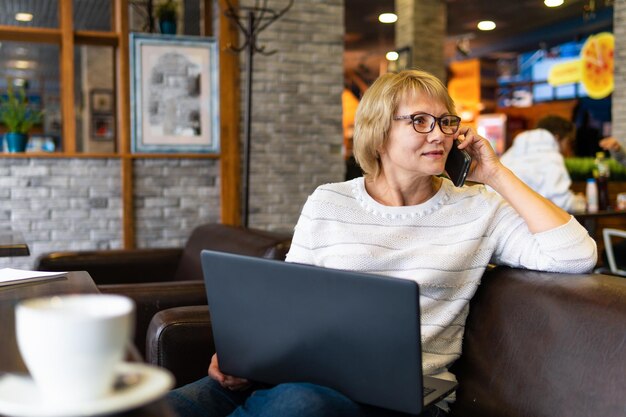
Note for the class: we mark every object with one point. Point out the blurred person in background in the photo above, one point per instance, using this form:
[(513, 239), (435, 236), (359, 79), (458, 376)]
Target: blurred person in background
[(537, 158)]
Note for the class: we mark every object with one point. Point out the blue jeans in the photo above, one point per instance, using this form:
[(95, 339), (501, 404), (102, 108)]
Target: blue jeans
[(207, 398)]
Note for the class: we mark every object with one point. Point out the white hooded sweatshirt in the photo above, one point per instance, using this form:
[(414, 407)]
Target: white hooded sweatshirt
[(536, 160)]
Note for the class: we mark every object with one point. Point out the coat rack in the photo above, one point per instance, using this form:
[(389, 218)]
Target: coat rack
[(144, 9), (251, 21)]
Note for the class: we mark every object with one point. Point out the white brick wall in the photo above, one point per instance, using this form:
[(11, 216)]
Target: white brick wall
[(296, 110), (61, 204), (172, 197), (75, 204)]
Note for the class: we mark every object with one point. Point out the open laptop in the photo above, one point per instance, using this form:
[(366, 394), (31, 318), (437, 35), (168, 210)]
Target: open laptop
[(358, 333)]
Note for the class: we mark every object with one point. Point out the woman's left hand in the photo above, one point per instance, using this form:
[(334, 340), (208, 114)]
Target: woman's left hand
[(485, 162)]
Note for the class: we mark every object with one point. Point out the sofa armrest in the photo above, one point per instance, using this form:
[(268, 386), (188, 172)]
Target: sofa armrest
[(116, 266), (543, 344), (181, 340), (150, 298)]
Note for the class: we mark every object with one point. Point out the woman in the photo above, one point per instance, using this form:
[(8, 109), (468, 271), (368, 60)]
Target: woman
[(402, 219)]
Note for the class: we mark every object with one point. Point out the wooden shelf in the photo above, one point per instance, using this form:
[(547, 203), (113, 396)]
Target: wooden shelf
[(111, 155), (27, 34), (172, 156), (58, 155), (91, 37)]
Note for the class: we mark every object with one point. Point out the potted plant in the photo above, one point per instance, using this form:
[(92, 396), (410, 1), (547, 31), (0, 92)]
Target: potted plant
[(167, 13), (18, 117)]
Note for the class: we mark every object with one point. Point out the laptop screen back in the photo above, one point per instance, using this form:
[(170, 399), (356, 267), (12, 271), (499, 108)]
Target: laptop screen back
[(277, 322)]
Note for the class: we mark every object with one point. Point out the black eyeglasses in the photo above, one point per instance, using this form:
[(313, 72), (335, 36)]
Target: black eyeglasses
[(425, 123)]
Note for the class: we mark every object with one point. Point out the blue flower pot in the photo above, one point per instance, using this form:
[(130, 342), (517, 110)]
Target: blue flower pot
[(15, 142), (168, 27)]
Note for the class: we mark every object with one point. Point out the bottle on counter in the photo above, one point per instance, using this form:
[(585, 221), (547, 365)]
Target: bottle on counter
[(601, 174), (592, 196)]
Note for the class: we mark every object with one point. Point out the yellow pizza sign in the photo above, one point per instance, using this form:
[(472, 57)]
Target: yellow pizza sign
[(594, 68)]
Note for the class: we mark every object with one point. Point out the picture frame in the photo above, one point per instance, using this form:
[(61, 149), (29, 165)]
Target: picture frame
[(102, 127), (101, 101), (174, 94)]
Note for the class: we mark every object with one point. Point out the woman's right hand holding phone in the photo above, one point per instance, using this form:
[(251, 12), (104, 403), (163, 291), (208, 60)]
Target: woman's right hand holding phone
[(230, 382), (485, 162)]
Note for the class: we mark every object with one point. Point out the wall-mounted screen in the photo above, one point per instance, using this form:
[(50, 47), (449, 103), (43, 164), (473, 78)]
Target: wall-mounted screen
[(554, 74)]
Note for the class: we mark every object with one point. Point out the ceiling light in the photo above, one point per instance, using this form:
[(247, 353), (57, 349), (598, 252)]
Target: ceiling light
[(388, 18), (23, 17), (553, 3), (392, 56), (486, 25), (20, 64)]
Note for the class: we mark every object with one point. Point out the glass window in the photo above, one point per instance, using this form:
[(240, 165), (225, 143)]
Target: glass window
[(92, 15), (192, 17), (30, 13), (138, 20), (95, 99), (35, 69), (567, 91), (543, 92)]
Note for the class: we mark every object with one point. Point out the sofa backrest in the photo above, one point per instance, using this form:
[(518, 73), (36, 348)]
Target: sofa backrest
[(114, 266), (544, 344), (225, 238)]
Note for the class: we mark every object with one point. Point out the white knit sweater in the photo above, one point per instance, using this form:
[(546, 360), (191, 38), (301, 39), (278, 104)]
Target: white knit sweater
[(443, 244)]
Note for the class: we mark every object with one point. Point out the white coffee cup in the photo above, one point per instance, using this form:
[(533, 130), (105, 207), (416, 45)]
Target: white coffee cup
[(71, 344)]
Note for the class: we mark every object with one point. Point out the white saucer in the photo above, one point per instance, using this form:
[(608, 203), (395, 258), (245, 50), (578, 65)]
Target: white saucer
[(20, 397)]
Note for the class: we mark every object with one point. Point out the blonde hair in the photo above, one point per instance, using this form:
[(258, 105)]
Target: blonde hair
[(378, 106)]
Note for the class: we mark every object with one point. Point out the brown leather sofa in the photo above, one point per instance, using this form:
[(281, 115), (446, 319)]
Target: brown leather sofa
[(126, 266), (158, 279), (536, 345)]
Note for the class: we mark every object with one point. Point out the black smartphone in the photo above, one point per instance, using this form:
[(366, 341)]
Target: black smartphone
[(458, 164)]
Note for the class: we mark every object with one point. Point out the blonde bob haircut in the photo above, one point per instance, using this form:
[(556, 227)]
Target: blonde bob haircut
[(378, 106)]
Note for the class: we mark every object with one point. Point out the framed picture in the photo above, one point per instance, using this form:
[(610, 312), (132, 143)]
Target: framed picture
[(174, 94), (102, 127), (101, 101)]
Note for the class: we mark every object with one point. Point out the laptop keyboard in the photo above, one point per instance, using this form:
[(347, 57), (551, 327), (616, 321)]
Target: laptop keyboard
[(427, 390)]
